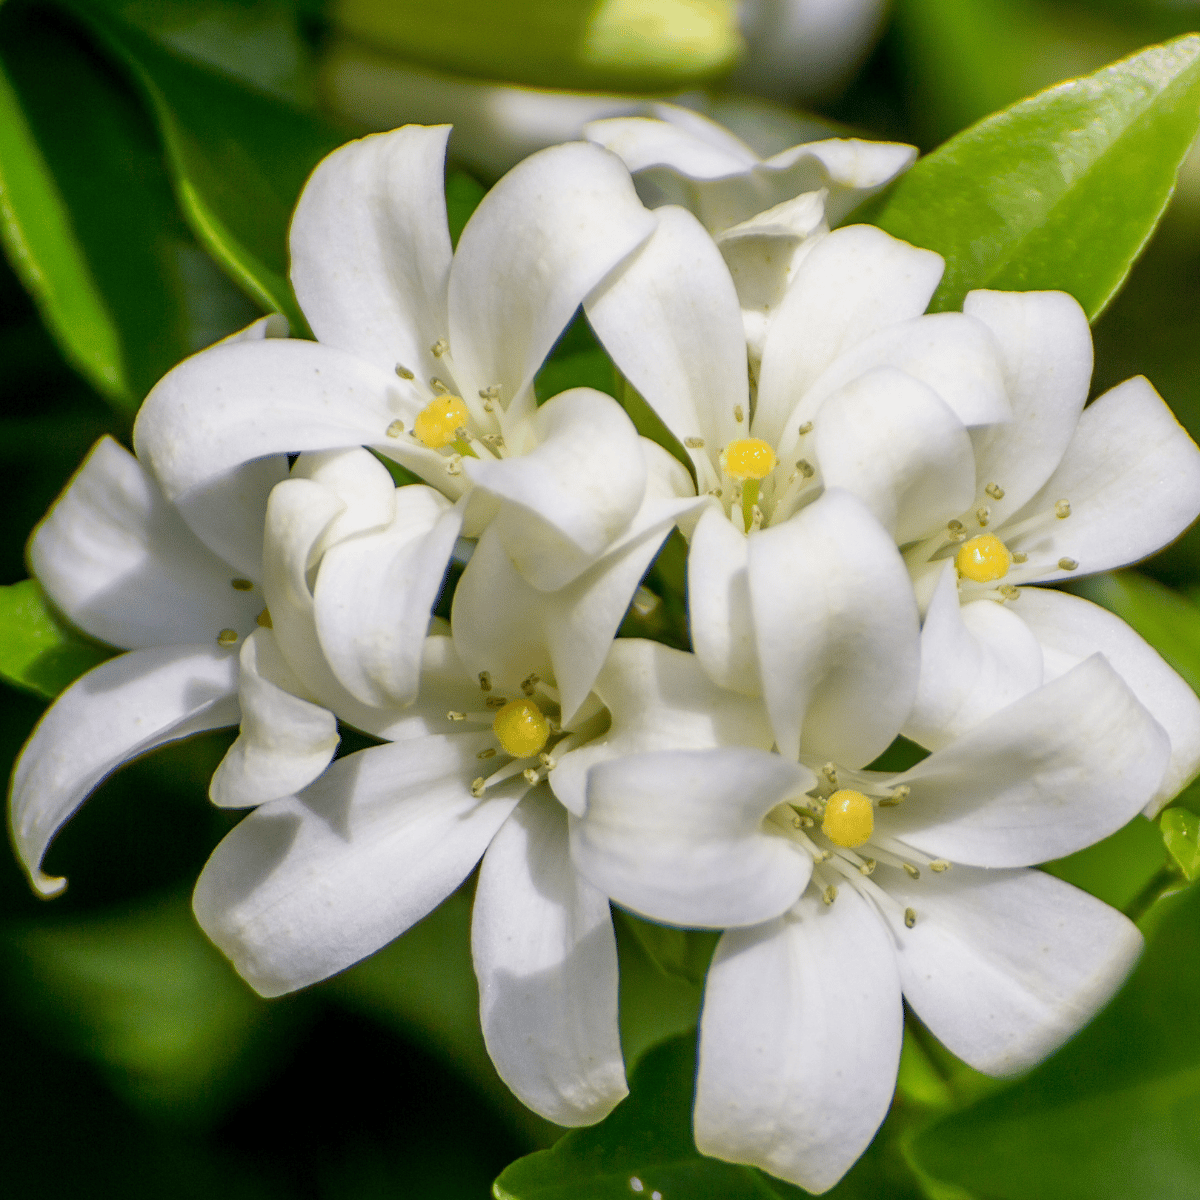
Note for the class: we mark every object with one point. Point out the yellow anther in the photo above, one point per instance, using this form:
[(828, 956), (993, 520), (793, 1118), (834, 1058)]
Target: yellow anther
[(395, 429), (694, 443), (910, 917), (749, 458), (485, 681), (739, 413), (868, 867), (830, 894), (849, 818), (806, 468), (983, 558), (530, 775), (913, 872), (805, 428), (521, 728), (404, 372), (1062, 509), (983, 515), (241, 585), (939, 865), (1009, 592), (456, 716), (995, 491), (1018, 557), (477, 786), (1067, 564), (227, 637), (439, 348), (438, 422), (490, 752), (264, 619), (496, 701)]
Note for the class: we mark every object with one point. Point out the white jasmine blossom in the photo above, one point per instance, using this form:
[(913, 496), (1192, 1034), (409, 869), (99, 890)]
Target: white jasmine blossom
[(844, 890)]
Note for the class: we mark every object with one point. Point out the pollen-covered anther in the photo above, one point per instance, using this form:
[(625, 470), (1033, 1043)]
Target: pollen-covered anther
[(489, 752), (395, 429), (241, 585), (898, 796), (983, 515), (849, 818), (477, 786), (806, 468), (263, 620), (983, 558), (530, 776), (829, 895), (694, 443), (227, 638), (521, 728), (1068, 564), (452, 715), (739, 413), (1009, 592), (939, 865), (485, 681), (438, 423), (530, 682), (910, 917), (1062, 509), (748, 458), (404, 372), (439, 348), (995, 491), (913, 872), (805, 428)]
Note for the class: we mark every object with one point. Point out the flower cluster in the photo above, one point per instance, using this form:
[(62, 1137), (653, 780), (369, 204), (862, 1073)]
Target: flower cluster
[(866, 491)]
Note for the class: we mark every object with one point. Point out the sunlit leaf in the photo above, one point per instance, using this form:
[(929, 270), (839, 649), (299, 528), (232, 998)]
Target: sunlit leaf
[(1181, 835), (37, 652), (1060, 191)]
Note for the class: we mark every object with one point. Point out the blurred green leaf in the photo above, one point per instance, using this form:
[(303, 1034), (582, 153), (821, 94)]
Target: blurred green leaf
[(1115, 1115), (463, 194), (685, 953), (1181, 835), (36, 651), (1117, 869), (643, 45), (142, 993), (1060, 191), (238, 158), (86, 213), (1168, 621)]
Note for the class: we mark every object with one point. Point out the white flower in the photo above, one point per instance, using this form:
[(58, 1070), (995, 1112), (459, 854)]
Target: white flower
[(429, 359), (842, 891), (310, 883)]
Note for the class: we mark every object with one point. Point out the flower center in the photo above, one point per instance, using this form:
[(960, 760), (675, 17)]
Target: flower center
[(521, 728), (849, 818), (749, 458), (983, 558), (438, 423)]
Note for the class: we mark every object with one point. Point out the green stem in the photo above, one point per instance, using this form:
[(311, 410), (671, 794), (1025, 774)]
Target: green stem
[(1166, 879)]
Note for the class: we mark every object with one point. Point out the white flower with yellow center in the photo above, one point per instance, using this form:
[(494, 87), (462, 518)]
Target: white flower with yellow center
[(844, 891), (428, 358)]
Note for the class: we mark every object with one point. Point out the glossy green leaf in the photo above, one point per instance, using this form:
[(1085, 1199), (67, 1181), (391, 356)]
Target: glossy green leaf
[(237, 157), (86, 213), (1168, 621), (1060, 191), (682, 952), (1181, 835), (1115, 1115), (36, 651)]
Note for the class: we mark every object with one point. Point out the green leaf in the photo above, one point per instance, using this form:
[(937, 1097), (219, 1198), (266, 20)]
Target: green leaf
[(463, 194), (1060, 191), (682, 952), (1181, 835), (1115, 1115), (1117, 869), (237, 157), (37, 652), (86, 213)]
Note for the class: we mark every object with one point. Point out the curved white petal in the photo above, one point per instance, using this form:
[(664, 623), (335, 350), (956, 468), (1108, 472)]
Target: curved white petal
[(1132, 477), (370, 247), (538, 243), (285, 740), (374, 594), (836, 626), (360, 481), (687, 142), (671, 321), (245, 400), (1070, 629), (1004, 966), (307, 885), (954, 355), (678, 835), (976, 659), (719, 613), (852, 169), (1058, 770), (1045, 350), (546, 958), (852, 283), (121, 564), (895, 444), (800, 1041), (118, 710), (571, 496)]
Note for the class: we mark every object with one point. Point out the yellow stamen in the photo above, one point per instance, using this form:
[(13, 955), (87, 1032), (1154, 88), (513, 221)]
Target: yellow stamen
[(521, 728), (749, 458), (849, 818), (438, 423), (983, 558)]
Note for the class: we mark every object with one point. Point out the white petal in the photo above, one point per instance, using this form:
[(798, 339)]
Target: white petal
[(542, 940), (360, 481), (719, 613), (1132, 477), (285, 741), (1004, 966), (852, 169), (800, 1041), (307, 885), (954, 355), (678, 835), (837, 631), (688, 143), (245, 400), (571, 496), (122, 565), (118, 710), (374, 595), (1046, 355), (371, 250), (671, 320), (854, 282), (892, 442), (1070, 629), (1058, 770), (538, 243), (976, 659), (658, 698)]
